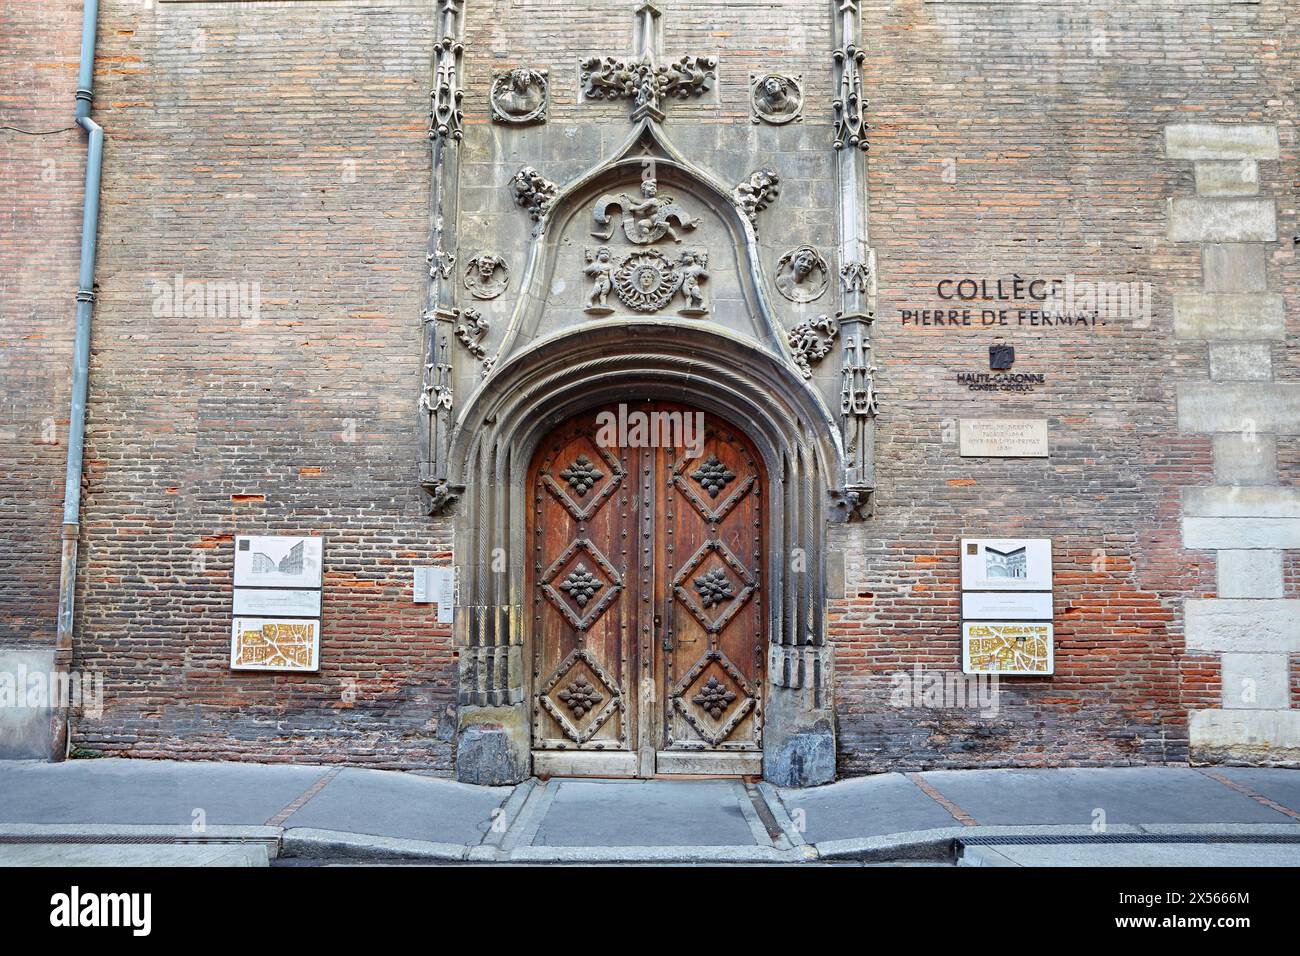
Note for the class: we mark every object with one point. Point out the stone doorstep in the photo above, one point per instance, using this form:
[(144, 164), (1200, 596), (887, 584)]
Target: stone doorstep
[(1242, 501), (1252, 316), (1193, 219), (1221, 141), (1272, 408), (1257, 626)]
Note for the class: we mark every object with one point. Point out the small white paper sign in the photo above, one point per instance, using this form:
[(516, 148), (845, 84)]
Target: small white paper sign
[(436, 585), (1006, 564), (277, 602), (1006, 606)]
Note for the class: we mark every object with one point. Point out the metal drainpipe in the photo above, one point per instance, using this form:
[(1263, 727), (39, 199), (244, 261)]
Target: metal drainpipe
[(80, 373)]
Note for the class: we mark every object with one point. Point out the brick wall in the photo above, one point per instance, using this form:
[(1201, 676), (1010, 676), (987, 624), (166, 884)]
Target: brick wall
[(40, 229), (283, 145)]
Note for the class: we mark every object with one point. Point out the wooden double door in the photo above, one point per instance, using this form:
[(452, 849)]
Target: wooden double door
[(645, 583)]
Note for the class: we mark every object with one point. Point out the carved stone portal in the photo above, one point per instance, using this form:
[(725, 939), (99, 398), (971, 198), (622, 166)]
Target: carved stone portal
[(519, 97), (776, 98), (802, 274)]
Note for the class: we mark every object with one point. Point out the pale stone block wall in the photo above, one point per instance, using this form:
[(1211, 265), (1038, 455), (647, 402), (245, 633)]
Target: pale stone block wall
[(1246, 516)]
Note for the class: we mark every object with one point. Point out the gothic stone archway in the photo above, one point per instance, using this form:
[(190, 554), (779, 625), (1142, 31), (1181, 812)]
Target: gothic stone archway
[(606, 363)]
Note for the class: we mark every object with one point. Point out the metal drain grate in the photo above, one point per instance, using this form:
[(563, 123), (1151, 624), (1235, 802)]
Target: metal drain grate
[(1125, 838)]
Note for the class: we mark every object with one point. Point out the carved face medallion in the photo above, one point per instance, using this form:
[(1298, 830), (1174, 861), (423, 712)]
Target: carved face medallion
[(775, 98), (646, 281), (519, 97), (802, 274), (486, 276)]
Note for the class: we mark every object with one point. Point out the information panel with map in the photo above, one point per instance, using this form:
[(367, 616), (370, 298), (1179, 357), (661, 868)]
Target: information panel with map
[(1007, 647)]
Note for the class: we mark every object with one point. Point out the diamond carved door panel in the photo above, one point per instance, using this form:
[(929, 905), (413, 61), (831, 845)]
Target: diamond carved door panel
[(582, 585), (712, 560), (647, 623)]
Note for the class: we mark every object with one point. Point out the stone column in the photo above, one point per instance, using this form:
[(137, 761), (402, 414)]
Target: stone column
[(1246, 516)]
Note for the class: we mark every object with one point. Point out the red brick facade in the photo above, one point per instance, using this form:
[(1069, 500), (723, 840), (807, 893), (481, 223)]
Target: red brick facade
[(285, 145)]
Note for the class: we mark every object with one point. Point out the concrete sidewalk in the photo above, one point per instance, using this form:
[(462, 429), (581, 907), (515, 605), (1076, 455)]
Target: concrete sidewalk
[(981, 817)]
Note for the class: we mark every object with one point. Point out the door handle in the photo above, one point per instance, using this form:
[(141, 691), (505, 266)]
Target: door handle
[(666, 639)]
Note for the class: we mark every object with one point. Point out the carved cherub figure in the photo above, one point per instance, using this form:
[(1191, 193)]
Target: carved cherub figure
[(693, 268), (645, 220), (599, 268)]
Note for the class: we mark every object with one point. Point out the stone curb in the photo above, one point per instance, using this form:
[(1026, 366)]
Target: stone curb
[(310, 843), (941, 843)]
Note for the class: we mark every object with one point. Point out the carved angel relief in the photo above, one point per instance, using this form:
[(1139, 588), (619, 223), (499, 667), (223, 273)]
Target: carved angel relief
[(644, 280)]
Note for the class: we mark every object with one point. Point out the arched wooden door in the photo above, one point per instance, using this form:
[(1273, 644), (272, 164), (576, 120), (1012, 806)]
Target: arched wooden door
[(645, 585)]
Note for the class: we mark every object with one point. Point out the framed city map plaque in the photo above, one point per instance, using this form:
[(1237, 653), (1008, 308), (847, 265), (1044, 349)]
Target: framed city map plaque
[(1007, 647), (1006, 564), (279, 644)]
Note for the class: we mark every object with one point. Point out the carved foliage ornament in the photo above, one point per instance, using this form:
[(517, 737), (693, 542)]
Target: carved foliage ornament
[(856, 276), (471, 327), (811, 341), (713, 476), (582, 475), (581, 584), (714, 697), (609, 78), (486, 276), (519, 97), (802, 274), (533, 191), (756, 193), (775, 98), (714, 587)]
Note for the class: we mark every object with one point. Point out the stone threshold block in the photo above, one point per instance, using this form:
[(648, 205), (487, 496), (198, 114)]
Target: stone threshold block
[(1253, 316), (1234, 267), (1227, 177), (1241, 534), (1241, 362), (1227, 501), (1249, 408), (1244, 459), (1250, 734), (1256, 682), (1250, 574), (1222, 220), (1200, 141), (1239, 626)]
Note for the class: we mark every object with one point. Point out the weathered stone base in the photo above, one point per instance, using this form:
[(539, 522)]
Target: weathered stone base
[(492, 745), (1264, 738), (26, 733), (798, 744)]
